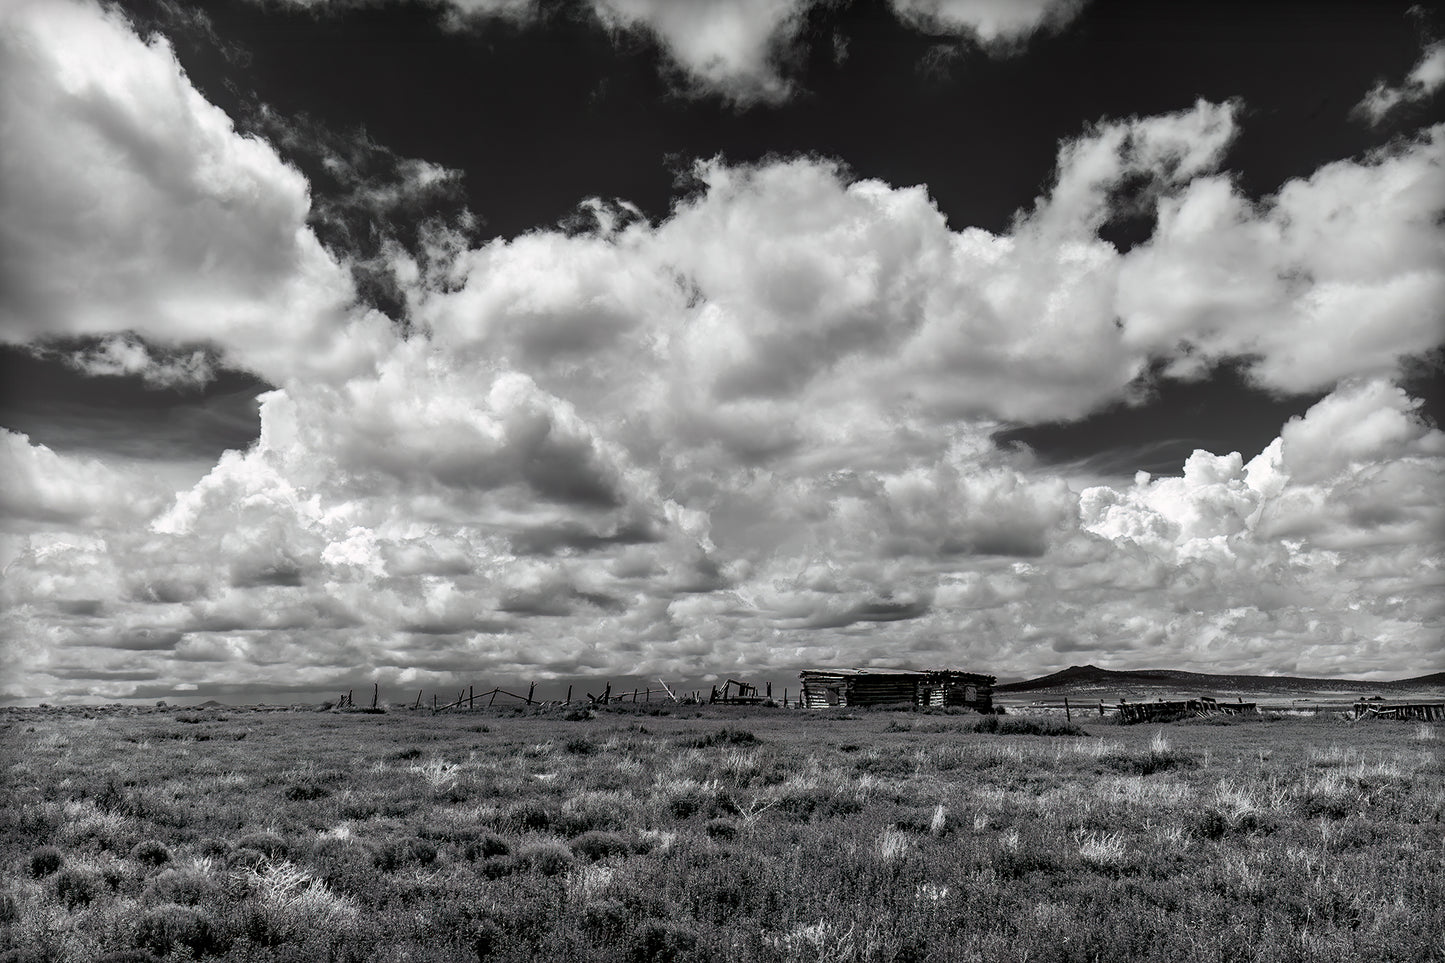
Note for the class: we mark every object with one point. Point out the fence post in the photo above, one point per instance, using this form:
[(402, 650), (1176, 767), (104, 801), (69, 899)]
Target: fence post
[(375, 693), (493, 698), (569, 695), (530, 690), (418, 700), (433, 702), (1101, 708), (471, 697), (1068, 716), (785, 697), (349, 700)]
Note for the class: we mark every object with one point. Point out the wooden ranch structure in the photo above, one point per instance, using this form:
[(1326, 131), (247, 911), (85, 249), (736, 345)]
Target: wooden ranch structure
[(1170, 711), (1424, 711), (823, 688)]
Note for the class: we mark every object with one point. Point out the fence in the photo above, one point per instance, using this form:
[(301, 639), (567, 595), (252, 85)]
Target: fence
[(468, 698)]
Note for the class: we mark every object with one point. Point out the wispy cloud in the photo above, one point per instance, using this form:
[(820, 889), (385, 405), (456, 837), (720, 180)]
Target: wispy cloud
[(1423, 81)]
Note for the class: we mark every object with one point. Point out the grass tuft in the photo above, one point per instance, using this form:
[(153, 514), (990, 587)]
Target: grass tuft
[(44, 861)]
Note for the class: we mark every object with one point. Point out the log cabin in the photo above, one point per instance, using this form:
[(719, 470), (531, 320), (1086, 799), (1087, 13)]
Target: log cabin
[(823, 688)]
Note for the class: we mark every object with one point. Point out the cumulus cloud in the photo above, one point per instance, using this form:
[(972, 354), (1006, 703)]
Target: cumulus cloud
[(991, 22), (122, 355), (1286, 281), (43, 487), (741, 50), (730, 47), (1422, 82), (131, 204)]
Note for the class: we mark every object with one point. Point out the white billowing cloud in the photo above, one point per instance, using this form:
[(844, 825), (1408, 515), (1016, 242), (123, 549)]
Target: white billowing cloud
[(730, 47), (1291, 280), (1427, 77), (992, 22), (1363, 423), (740, 50), (1327, 546), (45, 488), (121, 355), (130, 203)]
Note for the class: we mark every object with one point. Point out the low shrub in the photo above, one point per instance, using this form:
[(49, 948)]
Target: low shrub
[(151, 852), (721, 829), (660, 941), (726, 737), (44, 861), (165, 929), (548, 859), (186, 887), (1018, 726), (77, 887), (484, 845), (412, 851), (244, 857), (304, 791), (608, 918), (270, 844), (530, 816), (496, 867), (597, 845)]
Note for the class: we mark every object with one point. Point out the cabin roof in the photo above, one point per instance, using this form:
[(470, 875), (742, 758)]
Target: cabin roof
[(894, 672)]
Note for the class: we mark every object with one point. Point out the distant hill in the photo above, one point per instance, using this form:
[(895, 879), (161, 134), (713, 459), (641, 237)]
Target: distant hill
[(1091, 677)]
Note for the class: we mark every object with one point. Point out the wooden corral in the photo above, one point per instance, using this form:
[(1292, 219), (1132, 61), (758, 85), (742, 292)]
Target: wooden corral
[(746, 694), (823, 688), (1131, 712), (1424, 711)]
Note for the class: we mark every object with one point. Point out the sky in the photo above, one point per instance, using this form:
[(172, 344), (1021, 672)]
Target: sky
[(482, 341)]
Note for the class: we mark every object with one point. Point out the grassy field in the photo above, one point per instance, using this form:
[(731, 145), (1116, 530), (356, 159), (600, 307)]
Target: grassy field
[(687, 834)]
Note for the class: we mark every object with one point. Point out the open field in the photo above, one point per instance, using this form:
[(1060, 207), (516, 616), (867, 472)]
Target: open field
[(702, 834)]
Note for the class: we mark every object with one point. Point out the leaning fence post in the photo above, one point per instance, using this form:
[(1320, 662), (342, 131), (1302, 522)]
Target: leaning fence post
[(418, 700), (530, 689), (493, 698), (569, 694), (1068, 717)]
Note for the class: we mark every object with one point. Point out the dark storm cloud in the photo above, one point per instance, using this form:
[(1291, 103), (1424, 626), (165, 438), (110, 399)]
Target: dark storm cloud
[(564, 536), (168, 591), (879, 610), (457, 626), (257, 573), (86, 608), (553, 601), (103, 675)]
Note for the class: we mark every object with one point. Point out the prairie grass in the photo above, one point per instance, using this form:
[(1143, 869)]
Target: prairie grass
[(730, 834)]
